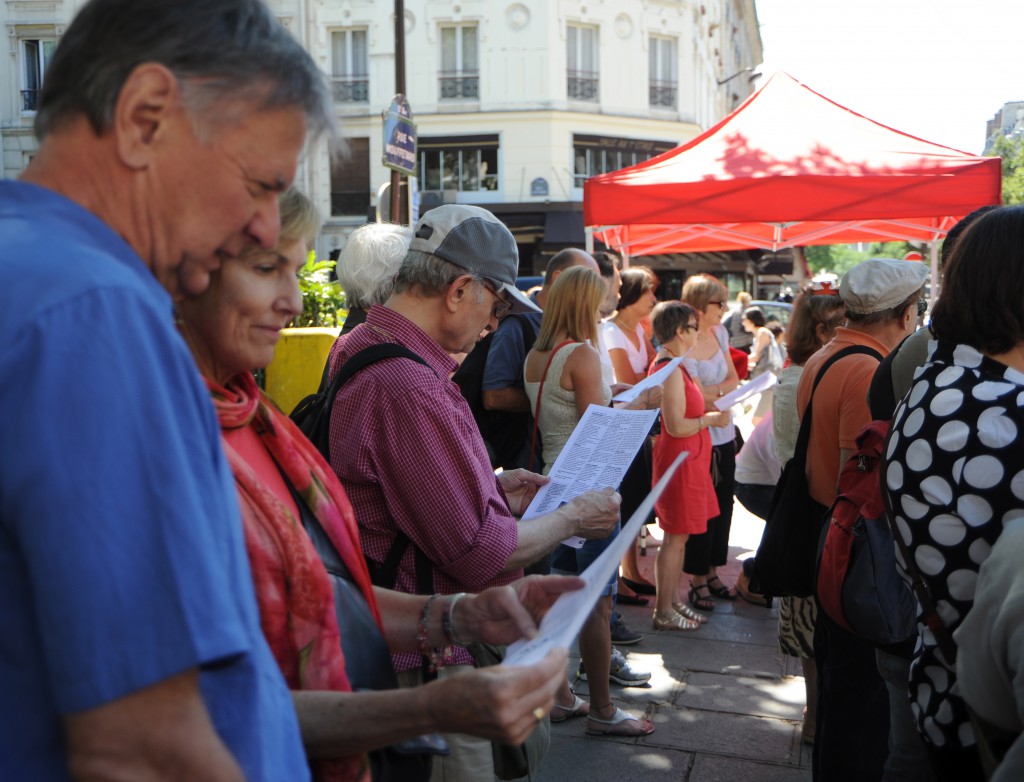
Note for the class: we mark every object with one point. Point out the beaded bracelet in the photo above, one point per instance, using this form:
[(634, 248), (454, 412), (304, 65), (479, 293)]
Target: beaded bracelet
[(448, 620), (425, 649), (435, 657)]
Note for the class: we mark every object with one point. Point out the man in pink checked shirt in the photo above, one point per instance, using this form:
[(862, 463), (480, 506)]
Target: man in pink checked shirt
[(406, 447)]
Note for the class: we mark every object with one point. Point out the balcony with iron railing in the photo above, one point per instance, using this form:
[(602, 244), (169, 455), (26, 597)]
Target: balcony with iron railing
[(582, 85), (663, 93), (459, 84), (351, 89)]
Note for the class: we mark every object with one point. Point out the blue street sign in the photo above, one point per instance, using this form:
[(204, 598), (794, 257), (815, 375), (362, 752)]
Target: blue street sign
[(399, 137)]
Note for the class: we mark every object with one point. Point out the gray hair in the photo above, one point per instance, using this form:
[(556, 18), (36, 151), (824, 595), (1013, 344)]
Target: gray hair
[(220, 50), (430, 274), (369, 262)]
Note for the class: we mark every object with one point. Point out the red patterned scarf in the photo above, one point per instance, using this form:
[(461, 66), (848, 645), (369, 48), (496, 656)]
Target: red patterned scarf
[(294, 593)]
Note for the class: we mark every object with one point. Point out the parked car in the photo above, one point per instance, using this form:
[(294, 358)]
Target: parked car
[(775, 310)]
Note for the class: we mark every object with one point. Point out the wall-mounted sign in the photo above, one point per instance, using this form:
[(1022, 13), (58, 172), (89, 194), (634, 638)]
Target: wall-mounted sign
[(539, 187)]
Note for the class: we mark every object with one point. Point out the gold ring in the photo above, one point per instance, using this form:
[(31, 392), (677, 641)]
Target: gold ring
[(539, 713)]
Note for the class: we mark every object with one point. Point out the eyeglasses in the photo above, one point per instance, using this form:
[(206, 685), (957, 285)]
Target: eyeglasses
[(721, 304), (922, 307), (501, 307)]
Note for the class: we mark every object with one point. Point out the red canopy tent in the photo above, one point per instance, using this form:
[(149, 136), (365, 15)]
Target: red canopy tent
[(788, 167)]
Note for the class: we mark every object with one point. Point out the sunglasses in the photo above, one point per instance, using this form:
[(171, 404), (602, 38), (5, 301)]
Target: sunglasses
[(721, 304), (501, 307), (922, 307), (691, 327)]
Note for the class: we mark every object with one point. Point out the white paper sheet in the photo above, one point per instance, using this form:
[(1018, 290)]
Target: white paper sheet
[(597, 455), (651, 381), (565, 619), (755, 386)]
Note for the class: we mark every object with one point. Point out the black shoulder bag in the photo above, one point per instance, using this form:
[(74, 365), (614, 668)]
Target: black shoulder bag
[(785, 560)]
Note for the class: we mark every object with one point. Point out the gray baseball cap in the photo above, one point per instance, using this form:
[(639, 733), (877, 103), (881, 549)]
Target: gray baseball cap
[(879, 284), (475, 240)]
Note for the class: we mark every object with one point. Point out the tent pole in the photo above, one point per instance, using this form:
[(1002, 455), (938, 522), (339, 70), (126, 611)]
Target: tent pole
[(588, 238), (934, 247)]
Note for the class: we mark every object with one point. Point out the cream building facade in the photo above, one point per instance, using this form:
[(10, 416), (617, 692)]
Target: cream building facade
[(514, 103)]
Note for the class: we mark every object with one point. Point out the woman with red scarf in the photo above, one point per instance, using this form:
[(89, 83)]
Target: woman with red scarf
[(287, 493)]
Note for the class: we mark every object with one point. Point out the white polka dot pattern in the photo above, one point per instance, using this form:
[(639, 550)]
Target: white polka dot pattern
[(955, 475)]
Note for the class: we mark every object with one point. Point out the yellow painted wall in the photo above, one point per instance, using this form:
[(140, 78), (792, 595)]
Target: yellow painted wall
[(298, 364)]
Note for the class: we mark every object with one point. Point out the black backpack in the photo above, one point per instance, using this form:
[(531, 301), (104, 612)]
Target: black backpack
[(504, 433), (313, 417), (313, 413)]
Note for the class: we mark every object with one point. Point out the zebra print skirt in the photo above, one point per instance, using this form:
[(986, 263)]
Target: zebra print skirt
[(797, 616)]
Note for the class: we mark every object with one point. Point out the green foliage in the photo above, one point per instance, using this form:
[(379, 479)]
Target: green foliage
[(839, 258), (1011, 150), (323, 300)]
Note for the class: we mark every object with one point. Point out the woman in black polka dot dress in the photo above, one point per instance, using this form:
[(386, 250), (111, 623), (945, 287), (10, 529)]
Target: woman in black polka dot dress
[(955, 459)]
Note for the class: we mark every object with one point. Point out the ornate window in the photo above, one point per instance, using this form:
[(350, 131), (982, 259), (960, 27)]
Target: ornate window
[(35, 58), (349, 66), (663, 72), (460, 69), (582, 63)]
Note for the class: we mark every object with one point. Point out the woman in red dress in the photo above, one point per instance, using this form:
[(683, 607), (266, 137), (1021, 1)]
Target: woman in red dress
[(689, 499)]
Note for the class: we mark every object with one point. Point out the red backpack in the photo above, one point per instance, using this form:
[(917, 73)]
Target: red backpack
[(858, 585)]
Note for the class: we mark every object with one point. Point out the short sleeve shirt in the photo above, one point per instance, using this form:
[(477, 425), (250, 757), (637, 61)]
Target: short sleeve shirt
[(840, 407), (615, 339), (504, 365), (122, 561), (955, 475)]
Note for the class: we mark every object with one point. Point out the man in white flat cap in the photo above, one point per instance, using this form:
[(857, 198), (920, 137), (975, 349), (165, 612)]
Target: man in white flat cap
[(882, 297), (404, 443)]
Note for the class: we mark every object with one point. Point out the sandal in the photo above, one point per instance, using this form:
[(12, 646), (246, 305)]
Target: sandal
[(755, 598), (619, 725), (673, 621), (689, 613), (631, 598), (719, 589), (579, 708), (702, 602)]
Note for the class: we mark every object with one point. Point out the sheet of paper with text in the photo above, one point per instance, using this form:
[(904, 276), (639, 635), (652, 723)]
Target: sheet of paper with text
[(747, 390), (650, 381), (565, 619), (597, 455)]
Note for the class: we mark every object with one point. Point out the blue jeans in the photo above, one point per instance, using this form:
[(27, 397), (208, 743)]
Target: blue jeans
[(908, 758), (566, 559)]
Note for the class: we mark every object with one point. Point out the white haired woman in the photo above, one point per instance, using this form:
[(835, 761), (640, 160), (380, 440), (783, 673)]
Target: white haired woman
[(367, 267)]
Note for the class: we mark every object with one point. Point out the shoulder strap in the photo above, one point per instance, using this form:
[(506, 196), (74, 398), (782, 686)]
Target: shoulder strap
[(370, 355), (386, 573), (722, 337), (804, 437), (540, 391)]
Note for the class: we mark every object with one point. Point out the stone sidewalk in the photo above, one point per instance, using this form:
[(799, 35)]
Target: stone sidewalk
[(726, 704)]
